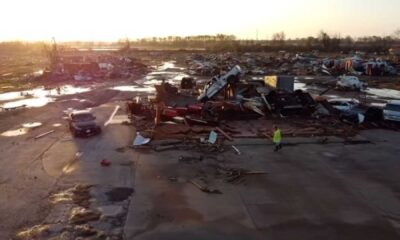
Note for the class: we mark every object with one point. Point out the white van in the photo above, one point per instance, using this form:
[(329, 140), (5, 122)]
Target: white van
[(392, 111)]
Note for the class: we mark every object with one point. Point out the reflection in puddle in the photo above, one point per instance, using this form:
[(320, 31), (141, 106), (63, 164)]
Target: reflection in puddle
[(299, 85), (134, 89), (167, 72), (32, 125), (11, 96), (167, 65), (384, 93), (14, 133), (155, 82), (57, 125), (32, 102), (376, 104), (38, 73), (176, 76), (37, 97), (68, 169)]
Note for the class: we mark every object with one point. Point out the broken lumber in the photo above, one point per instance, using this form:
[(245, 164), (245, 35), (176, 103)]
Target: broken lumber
[(44, 134), (205, 189), (224, 133)]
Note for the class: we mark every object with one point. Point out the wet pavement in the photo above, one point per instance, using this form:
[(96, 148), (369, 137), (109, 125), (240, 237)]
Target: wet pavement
[(37, 97), (55, 187), (329, 191)]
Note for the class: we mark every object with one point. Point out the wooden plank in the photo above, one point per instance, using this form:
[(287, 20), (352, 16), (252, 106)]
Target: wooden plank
[(44, 134), (224, 133)]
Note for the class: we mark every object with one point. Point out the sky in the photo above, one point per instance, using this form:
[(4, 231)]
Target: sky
[(110, 20)]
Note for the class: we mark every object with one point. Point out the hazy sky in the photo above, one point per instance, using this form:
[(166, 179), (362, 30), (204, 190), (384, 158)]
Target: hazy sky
[(115, 19)]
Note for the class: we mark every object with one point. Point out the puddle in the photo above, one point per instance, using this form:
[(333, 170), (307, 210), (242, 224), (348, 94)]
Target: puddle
[(69, 169), (14, 133), (167, 72), (134, 89), (300, 86), (167, 65), (384, 93), (11, 96), (32, 125), (32, 102), (379, 105), (170, 78), (6, 74), (177, 76), (37, 97), (38, 73)]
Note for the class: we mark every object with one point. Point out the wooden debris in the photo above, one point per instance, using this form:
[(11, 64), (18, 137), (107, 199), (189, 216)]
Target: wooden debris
[(236, 150), (44, 134), (204, 188), (224, 133)]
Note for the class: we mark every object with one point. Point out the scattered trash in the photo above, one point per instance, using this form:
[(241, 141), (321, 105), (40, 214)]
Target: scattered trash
[(190, 159), (85, 230), (35, 232), (236, 150), (80, 215), (79, 195), (140, 140), (235, 175), (224, 133), (212, 138), (105, 163), (121, 149), (205, 189)]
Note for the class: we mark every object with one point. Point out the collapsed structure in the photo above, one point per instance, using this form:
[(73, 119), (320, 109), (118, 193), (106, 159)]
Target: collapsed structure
[(199, 111)]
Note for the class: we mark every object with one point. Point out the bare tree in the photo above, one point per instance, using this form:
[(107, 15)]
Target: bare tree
[(396, 33), (325, 39), (279, 38), (52, 54)]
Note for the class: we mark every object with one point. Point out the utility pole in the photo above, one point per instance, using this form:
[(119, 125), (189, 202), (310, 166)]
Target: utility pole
[(257, 34)]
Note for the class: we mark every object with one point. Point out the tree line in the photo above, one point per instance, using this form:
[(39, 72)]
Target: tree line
[(222, 42), (323, 42)]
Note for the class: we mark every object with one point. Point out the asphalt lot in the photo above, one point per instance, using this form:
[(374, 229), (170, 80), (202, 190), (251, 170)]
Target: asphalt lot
[(309, 191)]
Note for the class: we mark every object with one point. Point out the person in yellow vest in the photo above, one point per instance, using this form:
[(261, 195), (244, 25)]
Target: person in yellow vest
[(277, 138)]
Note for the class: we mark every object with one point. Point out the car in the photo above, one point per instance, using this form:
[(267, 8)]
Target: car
[(391, 111), (344, 104), (82, 123)]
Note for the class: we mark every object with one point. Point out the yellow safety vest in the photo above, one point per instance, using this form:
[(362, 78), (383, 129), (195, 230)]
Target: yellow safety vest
[(277, 136)]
